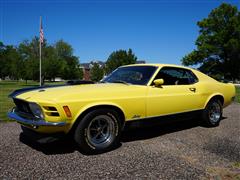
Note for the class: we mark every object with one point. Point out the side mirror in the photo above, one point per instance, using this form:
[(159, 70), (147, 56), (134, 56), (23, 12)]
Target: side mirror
[(158, 82)]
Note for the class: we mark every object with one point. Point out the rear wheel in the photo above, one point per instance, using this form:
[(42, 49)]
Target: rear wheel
[(212, 114), (98, 131)]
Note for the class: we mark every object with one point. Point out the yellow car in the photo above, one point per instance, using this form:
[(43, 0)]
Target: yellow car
[(96, 113)]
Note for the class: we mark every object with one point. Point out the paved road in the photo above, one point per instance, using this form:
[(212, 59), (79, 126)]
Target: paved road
[(182, 150)]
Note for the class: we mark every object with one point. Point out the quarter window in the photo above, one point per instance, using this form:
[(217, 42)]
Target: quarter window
[(176, 76)]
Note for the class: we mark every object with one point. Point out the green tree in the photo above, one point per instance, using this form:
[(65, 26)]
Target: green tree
[(53, 66), (23, 62), (14, 64), (57, 60), (29, 52), (63, 49), (10, 61), (3, 62), (218, 45), (119, 58), (71, 67), (96, 72)]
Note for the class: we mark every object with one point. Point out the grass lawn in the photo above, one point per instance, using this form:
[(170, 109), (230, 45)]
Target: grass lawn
[(238, 94), (6, 87)]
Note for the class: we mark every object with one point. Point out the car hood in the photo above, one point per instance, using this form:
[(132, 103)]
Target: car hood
[(75, 92)]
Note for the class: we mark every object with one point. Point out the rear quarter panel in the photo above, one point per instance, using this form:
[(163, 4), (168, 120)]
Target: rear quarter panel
[(226, 90), (209, 87)]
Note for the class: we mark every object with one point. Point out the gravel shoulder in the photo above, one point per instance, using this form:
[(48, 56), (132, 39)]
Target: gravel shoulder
[(183, 150)]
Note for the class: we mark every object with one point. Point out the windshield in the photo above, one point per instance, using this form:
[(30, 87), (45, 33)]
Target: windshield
[(139, 75)]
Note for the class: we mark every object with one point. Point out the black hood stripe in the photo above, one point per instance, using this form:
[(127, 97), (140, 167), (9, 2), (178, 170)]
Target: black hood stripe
[(24, 90), (69, 83)]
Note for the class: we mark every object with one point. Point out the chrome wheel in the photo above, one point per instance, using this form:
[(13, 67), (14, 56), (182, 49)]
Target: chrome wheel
[(101, 131), (214, 112)]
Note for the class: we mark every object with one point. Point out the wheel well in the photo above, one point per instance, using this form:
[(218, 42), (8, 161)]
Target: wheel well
[(118, 110), (218, 97)]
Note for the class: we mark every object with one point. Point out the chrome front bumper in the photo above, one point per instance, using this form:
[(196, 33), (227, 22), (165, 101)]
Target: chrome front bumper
[(32, 122)]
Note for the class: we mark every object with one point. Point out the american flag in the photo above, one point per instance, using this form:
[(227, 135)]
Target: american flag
[(41, 32)]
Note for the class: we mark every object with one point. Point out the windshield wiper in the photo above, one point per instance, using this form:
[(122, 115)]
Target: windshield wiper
[(120, 81)]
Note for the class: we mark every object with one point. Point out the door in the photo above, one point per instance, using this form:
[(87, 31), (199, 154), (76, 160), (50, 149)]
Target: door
[(179, 93)]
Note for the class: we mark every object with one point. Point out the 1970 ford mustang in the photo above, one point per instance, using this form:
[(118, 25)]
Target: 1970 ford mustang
[(95, 114)]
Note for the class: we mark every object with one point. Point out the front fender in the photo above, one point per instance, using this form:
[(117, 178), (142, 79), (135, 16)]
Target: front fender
[(91, 105)]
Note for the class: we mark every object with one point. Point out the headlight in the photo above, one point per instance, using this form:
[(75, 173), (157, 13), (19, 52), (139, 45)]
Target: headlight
[(36, 110)]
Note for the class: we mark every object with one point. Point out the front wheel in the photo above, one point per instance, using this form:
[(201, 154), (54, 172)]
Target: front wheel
[(212, 114), (98, 131)]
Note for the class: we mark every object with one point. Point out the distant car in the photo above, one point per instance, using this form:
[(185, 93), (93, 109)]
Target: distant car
[(96, 113)]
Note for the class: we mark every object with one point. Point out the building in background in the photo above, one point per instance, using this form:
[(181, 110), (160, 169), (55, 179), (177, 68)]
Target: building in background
[(86, 67), (140, 62)]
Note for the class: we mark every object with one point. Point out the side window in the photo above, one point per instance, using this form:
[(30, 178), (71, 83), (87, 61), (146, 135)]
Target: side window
[(187, 74), (176, 76)]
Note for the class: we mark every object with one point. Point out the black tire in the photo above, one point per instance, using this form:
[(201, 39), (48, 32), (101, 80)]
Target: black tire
[(212, 114), (98, 131)]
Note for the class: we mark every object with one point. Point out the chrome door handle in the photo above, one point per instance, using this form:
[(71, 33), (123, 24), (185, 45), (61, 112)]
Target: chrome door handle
[(192, 89)]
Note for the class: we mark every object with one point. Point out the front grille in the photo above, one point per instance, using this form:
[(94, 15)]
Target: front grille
[(23, 107)]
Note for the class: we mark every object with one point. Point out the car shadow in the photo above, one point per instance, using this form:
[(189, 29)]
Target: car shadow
[(148, 130), (57, 146), (155, 129), (63, 145), (131, 132)]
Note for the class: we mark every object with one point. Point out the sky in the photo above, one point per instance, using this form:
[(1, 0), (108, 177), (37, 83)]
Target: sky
[(158, 31)]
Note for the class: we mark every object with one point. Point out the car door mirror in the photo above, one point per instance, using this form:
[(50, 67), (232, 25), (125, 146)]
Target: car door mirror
[(158, 82)]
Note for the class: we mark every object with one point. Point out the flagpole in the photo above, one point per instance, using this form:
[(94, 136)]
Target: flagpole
[(40, 54)]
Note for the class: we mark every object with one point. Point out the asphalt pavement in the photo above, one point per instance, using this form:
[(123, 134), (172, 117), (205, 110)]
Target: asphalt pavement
[(182, 150)]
